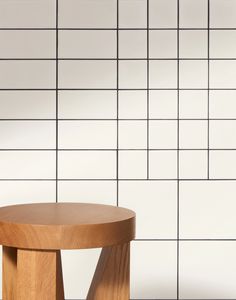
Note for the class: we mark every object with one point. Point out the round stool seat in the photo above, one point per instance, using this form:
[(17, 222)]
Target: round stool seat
[(65, 226)]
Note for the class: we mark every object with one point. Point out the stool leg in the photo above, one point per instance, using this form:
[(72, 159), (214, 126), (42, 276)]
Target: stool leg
[(9, 265), (112, 275), (38, 275)]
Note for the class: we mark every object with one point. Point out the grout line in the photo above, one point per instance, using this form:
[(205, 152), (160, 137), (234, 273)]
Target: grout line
[(120, 119), (148, 85), (107, 149), (114, 29), (115, 89), (114, 179), (170, 299), (208, 93), (178, 153), (187, 240), (57, 76), (117, 103), (112, 149), (115, 59)]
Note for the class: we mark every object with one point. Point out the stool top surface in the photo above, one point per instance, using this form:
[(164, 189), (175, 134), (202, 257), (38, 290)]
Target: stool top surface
[(63, 214), (65, 225)]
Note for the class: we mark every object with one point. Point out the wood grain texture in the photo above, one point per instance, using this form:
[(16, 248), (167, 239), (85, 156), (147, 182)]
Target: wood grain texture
[(33, 235), (37, 275), (65, 226), (9, 272), (111, 280)]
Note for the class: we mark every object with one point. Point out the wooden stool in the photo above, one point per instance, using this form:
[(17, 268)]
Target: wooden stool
[(32, 236)]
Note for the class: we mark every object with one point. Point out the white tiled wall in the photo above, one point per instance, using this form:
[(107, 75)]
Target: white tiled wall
[(128, 102)]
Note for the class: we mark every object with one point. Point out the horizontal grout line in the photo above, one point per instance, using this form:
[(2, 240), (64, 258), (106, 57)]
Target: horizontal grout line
[(120, 89), (169, 298), (123, 119), (115, 59), (172, 299), (115, 149), (115, 28), (187, 240), (115, 179)]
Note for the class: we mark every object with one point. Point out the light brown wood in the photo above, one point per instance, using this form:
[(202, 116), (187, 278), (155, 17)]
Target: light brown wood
[(38, 275), (65, 226), (9, 273), (112, 275), (33, 235)]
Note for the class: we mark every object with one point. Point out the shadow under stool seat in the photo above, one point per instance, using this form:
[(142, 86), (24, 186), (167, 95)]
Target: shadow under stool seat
[(32, 236)]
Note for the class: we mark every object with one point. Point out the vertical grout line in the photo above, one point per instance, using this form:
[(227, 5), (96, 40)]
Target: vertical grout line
[(57, 101), (208, 93), (147, 89), (117, 104), (178, 158)]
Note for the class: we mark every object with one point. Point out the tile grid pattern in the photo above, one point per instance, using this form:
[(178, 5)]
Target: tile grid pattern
[(119, 88)]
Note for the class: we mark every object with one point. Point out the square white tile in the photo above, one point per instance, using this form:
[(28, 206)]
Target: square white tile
[(87, 74), (27, 44), (27, 74), (223, 164), (132, 104), (132, 134), (162, 13), (223, 14), (222, 134), (27, 135), (162, 104), (87, 134), (132, 164), (163, 74), (27, 104), (132, 74), (28, 164), (162, 134), (222, 44), (133, 44), (207, 270), (222, 104), (101, 191), (163, 44), (21, 192), (87, 104), (202, 205), (193, 14), (87, 14), (193, 134), (193, 164), (40, 14), (87, 44), (222, 74), (193, 74), (163, 164), (133, 13), (193, 104), (156, 215), (87, 164), (158, 264), (193, 44)]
